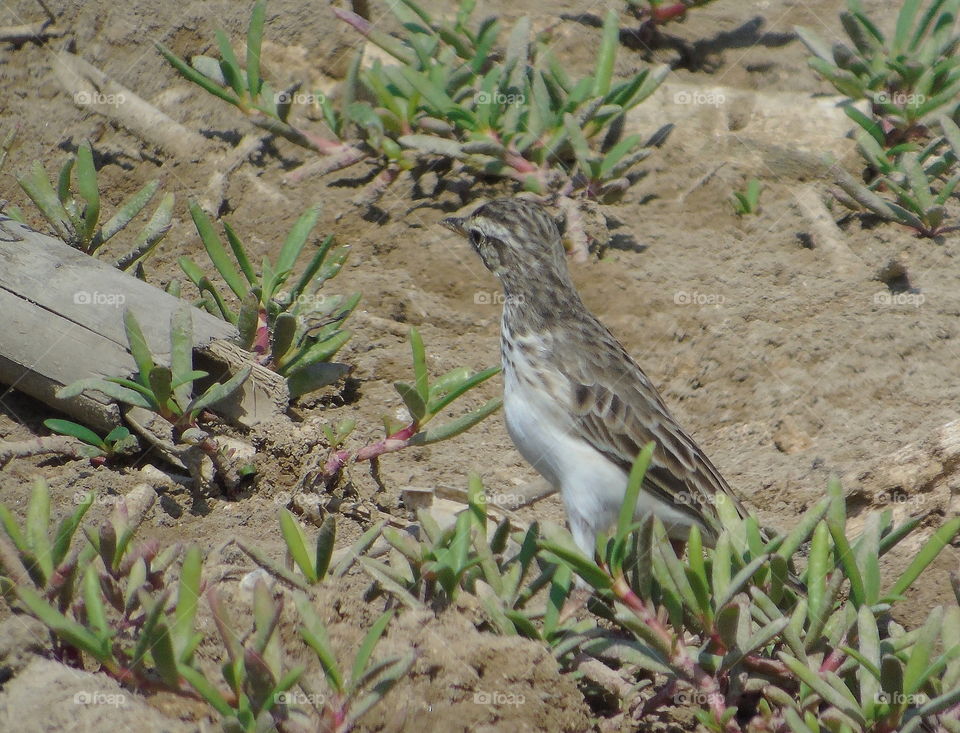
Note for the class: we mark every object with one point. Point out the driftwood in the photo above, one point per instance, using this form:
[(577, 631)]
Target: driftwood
[(827, 236), (63, 445), (94, 90), (37, 32), (63, 321)]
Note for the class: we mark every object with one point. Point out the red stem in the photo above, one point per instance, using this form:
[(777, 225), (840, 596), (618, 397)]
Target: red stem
[(665, 13), (359, 23), (521, 164), (391, 443), (680, 655), (335, 463), (326, 147), (397, 441), (261, 341), (127, 676), (833, 661)]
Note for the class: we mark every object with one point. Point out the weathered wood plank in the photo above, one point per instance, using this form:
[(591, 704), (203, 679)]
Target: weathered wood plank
[(94, 294), (63, 321), (41, 351)]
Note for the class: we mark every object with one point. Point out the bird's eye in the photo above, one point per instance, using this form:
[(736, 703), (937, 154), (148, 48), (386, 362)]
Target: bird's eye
[(475, 237)]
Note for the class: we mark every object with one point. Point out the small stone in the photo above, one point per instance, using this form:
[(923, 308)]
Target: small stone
[(789, 438), (249, 581), (416, 498)]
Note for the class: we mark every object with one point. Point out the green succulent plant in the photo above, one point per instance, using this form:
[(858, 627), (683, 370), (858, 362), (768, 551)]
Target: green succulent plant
[(110, 602), (909, 76), (923, 181), (165, 390), (747, 202), (454, 93), (117, 442), (293, 330), (758, 650), (73, 209)]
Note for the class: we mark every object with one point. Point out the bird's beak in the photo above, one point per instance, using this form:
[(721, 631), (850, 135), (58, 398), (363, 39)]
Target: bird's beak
[(454, 223)]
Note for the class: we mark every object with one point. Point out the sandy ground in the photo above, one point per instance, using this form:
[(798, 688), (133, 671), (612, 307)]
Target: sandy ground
[(785, 370)]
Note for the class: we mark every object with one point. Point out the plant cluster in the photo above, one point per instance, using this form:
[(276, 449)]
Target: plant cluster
[(518, 115), (169, 392), (923, 181), (730, 628), (313, 566), (260, 690), (110, 602), (294, 331), (909, 77), (166, 390), (453, 93), (254, 673), (118, 442), (909, 138), (423, 401), (73, 209), (130, 610), (757, 649), (495, 562)]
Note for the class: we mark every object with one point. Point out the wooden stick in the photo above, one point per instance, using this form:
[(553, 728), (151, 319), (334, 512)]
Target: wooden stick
[(18, 34), (63, 313), (94, 90), (827, 236), (62, 444)]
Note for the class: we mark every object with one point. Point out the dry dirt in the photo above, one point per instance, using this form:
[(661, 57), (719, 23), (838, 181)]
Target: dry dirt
[(786, 371)]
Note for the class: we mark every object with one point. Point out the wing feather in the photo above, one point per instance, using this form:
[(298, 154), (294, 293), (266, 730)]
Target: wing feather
[(619, 411)]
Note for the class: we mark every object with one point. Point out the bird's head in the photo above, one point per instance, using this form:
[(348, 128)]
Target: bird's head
[(516, 238)]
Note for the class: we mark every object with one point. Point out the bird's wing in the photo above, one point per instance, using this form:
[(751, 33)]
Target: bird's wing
[(619, 411)]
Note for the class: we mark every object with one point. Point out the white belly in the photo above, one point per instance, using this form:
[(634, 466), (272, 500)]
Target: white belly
[(591, 486)]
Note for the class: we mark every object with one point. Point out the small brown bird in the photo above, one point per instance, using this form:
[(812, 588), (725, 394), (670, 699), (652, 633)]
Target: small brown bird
[(577, 406)]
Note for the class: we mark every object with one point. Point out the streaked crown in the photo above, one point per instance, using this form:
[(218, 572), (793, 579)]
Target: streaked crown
[(517, 240)]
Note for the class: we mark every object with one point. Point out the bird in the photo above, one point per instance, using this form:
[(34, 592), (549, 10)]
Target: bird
[(577, 406)]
